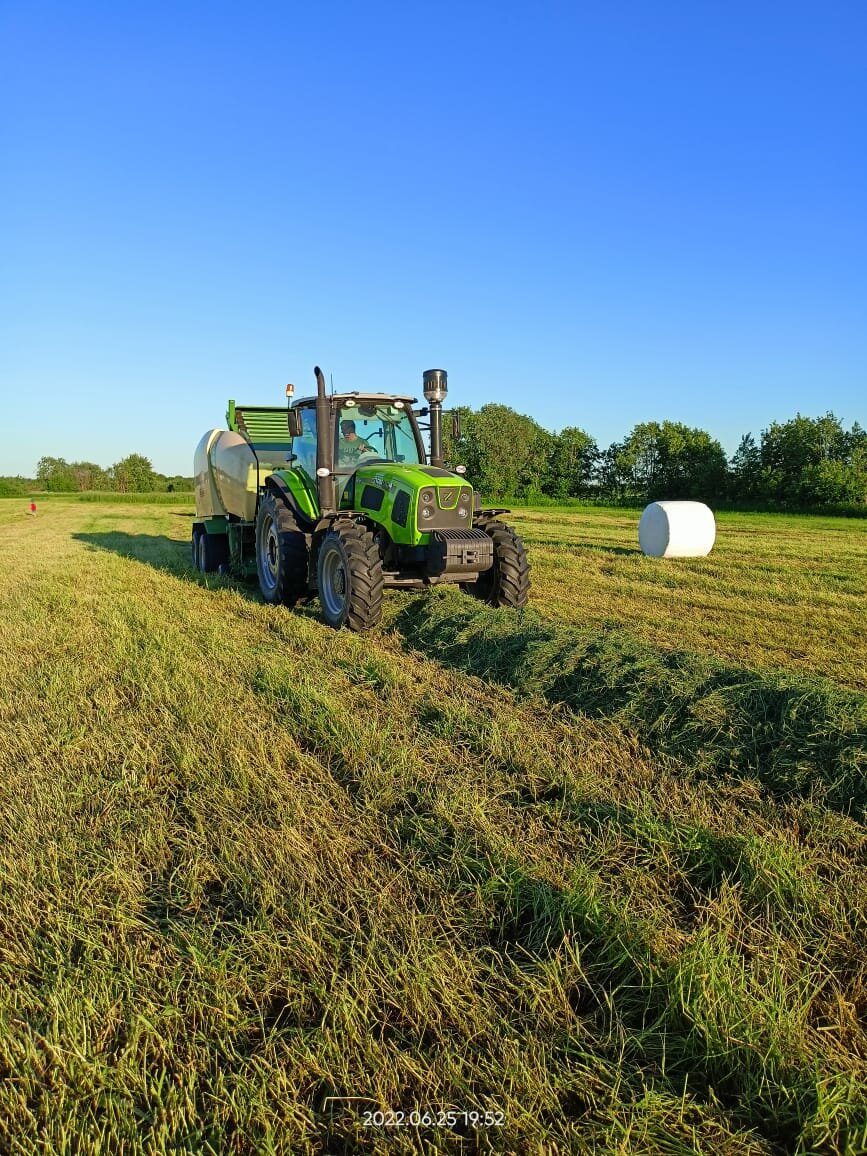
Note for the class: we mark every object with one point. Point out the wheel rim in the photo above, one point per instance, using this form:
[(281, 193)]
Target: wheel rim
[(269, 554), (333, 583)]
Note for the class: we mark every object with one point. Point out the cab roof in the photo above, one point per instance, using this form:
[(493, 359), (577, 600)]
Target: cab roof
[(360, 395)]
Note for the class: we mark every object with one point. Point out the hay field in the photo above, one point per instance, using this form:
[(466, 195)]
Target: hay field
[(596, 869), (778, 590)]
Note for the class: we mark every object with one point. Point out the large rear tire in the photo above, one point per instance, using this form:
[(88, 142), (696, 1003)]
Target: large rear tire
[(282, 555), (349, 574), (507, 583)]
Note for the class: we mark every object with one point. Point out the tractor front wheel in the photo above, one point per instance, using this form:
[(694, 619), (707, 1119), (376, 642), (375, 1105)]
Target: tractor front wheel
[(507, 583), (281, 553), (349, 573)]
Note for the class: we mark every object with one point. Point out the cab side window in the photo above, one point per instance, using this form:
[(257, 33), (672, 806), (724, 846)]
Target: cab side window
[(304, 447)]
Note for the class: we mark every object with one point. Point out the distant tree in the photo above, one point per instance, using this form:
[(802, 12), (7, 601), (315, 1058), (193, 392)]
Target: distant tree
[(745, 470), (572, 458), (505, 453), (15, 487), (177, 484), (89, 476), (667, 460), (56, 474), (613, 478), (638, 458), (133, 474), (814, 461)]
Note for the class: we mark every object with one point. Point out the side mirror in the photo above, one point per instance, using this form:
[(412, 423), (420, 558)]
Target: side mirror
[(296, 427), (456, 426)]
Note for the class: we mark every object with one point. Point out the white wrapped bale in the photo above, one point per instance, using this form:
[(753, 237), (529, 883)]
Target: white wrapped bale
[(677, 530)]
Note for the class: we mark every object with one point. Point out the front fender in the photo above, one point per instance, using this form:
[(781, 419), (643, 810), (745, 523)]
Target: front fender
[(299, 494)]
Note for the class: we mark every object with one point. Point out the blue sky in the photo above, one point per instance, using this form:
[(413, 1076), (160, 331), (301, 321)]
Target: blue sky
[(597, 213)]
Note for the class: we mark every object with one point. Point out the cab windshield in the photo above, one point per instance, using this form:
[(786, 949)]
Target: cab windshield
[(369, 432)]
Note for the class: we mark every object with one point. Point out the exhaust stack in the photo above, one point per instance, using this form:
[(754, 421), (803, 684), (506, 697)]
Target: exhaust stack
[(435, 386), (324, 447)]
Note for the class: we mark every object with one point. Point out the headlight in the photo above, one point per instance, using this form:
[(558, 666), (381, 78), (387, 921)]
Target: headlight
[(427, 512), (462, 512), (465, 496), (427, 495)]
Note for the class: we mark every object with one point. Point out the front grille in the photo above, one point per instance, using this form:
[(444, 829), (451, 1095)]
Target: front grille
[(445, 505)]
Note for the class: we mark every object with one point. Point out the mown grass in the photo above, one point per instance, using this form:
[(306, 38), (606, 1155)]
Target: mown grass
[(259, 877), (111, 497), (777, 591), (797, 734)]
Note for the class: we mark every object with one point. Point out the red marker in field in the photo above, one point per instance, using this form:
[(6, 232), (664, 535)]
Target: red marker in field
[(32, 507)]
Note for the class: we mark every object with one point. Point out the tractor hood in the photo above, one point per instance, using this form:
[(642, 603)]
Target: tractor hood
[(410, 475), (411, 500)]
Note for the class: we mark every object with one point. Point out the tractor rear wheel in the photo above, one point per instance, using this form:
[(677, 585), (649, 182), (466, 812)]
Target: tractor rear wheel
[(349, 573), (507, 583), (282, 555)]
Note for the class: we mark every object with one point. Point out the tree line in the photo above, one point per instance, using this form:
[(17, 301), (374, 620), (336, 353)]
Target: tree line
[(133, 474), (798, 464)]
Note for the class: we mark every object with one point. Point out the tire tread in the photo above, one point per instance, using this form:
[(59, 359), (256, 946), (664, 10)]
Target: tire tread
[(508, 584), (291, 586), (366, 582)]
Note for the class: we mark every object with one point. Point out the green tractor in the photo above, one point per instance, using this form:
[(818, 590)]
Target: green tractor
[(333, 496)]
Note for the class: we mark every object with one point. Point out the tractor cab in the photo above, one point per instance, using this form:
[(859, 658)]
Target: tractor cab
[(363, 429)]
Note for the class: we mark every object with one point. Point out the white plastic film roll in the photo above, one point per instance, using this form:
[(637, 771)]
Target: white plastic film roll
[(677, 530)]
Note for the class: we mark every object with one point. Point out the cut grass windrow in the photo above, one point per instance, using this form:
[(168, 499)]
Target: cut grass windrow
[(797, 734)]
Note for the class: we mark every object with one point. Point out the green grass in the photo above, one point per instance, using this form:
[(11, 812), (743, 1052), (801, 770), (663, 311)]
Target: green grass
[(149, 498), (797, 734), (601, 875), (778, 590)]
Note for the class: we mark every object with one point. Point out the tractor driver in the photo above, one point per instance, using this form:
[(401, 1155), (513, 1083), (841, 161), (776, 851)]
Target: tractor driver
[(351, 445)]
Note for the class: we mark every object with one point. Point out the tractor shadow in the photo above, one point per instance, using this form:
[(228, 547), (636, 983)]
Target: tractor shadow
[(166, 554), (628, 551), (157, 550), (580, 547)]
